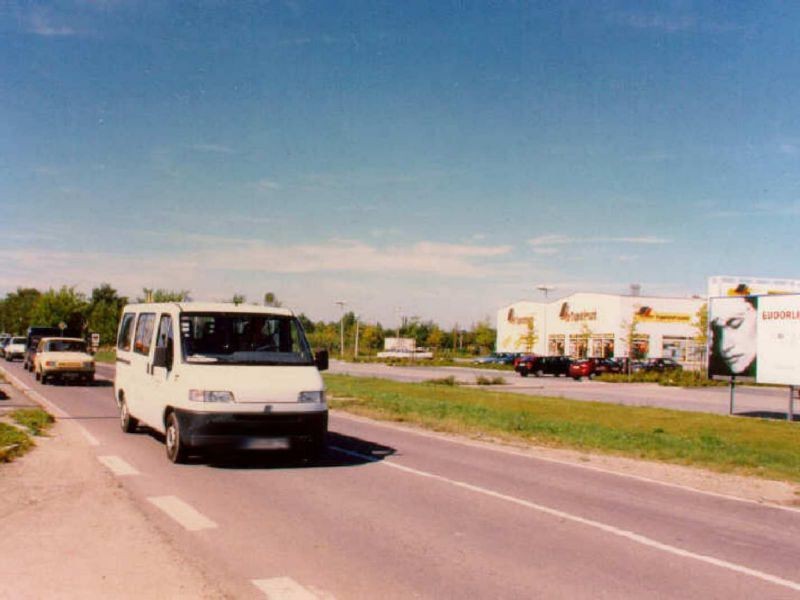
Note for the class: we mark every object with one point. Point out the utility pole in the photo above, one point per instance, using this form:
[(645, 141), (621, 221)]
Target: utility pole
[(355, 350), (341, 304), (546, 289)]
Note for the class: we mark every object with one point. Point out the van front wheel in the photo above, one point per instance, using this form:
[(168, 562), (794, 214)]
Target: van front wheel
[(126, 421), (177, 451)]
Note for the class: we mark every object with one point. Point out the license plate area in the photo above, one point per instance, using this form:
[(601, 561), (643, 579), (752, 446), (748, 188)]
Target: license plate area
[(279, 443)]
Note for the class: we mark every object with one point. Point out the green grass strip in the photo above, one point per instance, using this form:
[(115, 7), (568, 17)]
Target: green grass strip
[(769, 449), (106, 355), (35, 419), (13, 442)]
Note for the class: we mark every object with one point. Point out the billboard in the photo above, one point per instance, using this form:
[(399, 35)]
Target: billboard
[(755, 337), (779, 339), (732, 324)]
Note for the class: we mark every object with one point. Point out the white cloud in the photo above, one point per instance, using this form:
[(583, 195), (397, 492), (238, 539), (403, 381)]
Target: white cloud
[(564, 240), (41, 24)]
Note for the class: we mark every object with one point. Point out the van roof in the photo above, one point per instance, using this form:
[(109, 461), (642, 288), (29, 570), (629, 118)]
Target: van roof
[(61, 339), (225, 307)]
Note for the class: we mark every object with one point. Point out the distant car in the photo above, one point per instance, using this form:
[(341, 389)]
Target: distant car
[(542, 365), (661, 365), (63, 359), (496, 358), (608, 365), (15, 348), (586, 367)]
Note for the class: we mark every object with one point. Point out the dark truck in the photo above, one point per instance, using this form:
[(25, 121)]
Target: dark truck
[(34, 335)]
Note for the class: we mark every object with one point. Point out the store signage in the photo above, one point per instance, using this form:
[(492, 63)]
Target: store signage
[(566, 314), (646, 314), (512, 318)]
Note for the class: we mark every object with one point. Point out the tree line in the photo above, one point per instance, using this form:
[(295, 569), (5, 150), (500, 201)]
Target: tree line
[(100, 311)]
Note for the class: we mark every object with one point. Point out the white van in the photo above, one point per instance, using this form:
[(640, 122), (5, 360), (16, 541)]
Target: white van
[(222, 376)]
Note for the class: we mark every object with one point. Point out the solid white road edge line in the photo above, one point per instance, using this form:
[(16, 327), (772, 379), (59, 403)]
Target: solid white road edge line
[(558, 461), (181, 512), (117, 466), (283, 588), (51, 408), (623, 533)]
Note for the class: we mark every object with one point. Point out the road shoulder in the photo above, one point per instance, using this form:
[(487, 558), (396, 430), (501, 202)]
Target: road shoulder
[(68, 529)]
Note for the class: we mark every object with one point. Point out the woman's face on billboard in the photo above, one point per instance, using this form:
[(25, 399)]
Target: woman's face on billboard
[(736, 326)]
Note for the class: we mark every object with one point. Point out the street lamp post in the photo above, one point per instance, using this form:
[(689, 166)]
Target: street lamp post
[(355, 349), (545, 289), (341, 304)]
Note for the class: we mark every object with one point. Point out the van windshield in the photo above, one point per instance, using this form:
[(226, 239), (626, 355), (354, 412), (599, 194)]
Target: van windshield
[(243, 339)]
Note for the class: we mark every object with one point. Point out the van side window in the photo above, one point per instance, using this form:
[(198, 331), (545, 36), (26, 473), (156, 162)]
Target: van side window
[(144, 333), (164, 338), (125, 332)]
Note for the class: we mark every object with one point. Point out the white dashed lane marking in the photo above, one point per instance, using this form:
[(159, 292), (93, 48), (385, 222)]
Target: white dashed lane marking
[(611, 529), (117, 466), (181, 512), (283, 588)]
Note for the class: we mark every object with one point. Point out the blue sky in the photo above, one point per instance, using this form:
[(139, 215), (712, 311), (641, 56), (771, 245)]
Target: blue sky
[(433, 159)]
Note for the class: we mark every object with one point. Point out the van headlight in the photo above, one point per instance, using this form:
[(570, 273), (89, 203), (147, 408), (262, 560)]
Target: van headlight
[(316, 397), (207, 396)]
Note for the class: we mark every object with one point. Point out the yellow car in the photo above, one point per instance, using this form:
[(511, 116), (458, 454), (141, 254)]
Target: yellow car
[(62, 359)]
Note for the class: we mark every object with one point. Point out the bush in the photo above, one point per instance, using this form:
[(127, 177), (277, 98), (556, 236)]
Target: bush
[(481, 380), (669, 378)]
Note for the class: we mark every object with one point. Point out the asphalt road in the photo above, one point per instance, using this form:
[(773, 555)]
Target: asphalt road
[(395, 514), (748, 400)]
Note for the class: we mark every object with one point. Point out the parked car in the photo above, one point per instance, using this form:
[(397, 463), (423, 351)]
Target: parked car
[(63, 359), (586, 367), (542, 365), (661, 365), (3, 343), (608, 365), (15, 348), (496, 358)]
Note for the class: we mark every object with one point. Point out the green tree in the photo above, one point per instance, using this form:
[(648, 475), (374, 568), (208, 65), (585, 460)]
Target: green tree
[(61, 306), (527, 341), (270, 299), (435, 337), (701, 325), (16, 310), (161, 295), (103, 312), (371, 337), (483, 336)]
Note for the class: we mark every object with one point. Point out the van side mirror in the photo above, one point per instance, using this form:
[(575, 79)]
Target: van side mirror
[(321, 360)]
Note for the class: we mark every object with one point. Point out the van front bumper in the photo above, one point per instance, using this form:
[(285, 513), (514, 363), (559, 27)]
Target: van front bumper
[(252, 430)]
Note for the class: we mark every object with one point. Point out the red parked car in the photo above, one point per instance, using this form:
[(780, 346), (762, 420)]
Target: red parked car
[(589, 367), (583, 368)]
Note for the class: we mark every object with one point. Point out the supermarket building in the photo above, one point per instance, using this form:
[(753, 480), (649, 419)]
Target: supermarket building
[(604, 325), (613, 325)]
